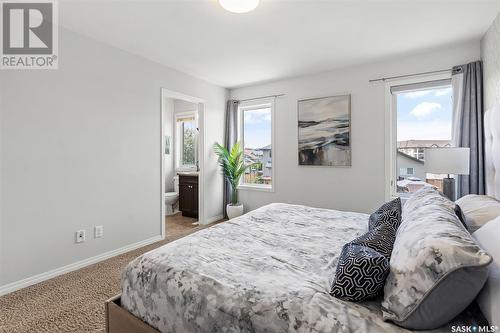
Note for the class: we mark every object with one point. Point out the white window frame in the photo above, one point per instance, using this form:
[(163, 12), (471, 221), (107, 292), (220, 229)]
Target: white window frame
[(391, 128), (255, 105), (179, 139)]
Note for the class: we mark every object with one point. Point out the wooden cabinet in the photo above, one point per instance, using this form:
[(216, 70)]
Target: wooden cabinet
[(188, 195)]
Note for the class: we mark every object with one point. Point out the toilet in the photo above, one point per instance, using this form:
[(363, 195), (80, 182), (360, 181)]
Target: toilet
[(171, 198)]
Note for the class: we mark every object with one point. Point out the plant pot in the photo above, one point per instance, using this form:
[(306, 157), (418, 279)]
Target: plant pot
[(234, 211)]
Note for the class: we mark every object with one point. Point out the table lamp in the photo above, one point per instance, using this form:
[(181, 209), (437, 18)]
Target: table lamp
[(454, 161)]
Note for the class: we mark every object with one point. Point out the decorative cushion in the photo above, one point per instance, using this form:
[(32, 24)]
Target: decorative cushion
[(478, 210), (489, 297), (427, 195), (360, 275), (389, 213), (380, 239), (460, 214), (436, 268)]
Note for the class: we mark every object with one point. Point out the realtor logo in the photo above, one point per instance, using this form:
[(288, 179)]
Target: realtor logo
[(29, 34)]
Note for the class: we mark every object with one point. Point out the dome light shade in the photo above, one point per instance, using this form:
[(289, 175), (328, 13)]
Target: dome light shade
[(239, 6)]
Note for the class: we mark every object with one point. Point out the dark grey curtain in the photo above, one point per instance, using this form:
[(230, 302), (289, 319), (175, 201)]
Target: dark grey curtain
[(470, 126), (230, 138)]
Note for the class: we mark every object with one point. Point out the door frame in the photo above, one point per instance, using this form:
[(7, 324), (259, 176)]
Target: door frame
[(166, 93)]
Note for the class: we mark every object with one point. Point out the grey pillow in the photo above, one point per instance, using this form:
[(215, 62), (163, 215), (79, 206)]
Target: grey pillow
[(436, 268)]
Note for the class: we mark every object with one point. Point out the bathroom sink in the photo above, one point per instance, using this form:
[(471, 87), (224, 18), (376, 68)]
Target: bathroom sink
[(188, 173)]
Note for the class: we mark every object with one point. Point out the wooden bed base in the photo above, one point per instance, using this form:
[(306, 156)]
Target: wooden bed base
[(119, 320)]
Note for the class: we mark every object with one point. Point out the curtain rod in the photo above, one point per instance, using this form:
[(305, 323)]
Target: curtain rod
[(408, 75), (251, 99)]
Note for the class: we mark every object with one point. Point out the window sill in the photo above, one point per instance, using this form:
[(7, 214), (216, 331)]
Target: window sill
[(261, 188)]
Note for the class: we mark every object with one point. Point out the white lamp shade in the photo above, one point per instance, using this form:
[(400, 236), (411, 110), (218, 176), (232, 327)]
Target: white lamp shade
[(454, 161)]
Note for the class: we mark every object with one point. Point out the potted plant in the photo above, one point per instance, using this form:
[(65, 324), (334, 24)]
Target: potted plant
[(233, 167)]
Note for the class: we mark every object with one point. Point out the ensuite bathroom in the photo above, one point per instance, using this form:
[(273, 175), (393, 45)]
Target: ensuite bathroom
[(181, 164)]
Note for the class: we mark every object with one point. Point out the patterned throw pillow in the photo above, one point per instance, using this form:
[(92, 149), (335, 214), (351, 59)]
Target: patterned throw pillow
[(389, 214), (461, 216), (436, 267), (380, 239), (360, 275)]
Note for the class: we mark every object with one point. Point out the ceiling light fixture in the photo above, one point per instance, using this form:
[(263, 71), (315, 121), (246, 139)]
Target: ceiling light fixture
[(239, 6)]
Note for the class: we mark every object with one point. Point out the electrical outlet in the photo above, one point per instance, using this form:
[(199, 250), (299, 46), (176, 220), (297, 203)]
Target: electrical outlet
[(80, 236), (98, 231)]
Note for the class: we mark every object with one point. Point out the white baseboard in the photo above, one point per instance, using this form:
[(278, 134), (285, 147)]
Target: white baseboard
[(13, 286), (214, 219)]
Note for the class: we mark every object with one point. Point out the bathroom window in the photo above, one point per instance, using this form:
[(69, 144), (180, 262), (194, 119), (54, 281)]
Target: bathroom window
[(256, 136), (187, 141)]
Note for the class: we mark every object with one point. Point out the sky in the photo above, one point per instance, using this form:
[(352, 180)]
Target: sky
[(425, 115), (257, 128)]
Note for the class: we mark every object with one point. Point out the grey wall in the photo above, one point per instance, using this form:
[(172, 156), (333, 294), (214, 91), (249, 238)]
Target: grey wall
[(80, 146), (490, 54), (360, 187)]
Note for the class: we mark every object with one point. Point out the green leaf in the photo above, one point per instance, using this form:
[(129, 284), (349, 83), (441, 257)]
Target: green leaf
[(232, 164)]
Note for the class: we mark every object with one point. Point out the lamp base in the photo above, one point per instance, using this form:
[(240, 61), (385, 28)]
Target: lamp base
[(449, 188)]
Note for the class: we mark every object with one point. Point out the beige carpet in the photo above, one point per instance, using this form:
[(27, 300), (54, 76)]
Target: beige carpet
[(74, 302)]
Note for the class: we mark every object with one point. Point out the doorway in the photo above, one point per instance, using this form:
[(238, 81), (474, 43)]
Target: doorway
[(182, 163)]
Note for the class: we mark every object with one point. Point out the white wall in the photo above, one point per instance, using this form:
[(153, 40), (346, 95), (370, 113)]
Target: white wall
[(184, 106), (490, 54), (80, 146), (360, 187)]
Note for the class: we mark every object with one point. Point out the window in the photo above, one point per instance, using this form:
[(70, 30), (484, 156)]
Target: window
[(423, 113), (406, 171), (256, 137), (187, 141)]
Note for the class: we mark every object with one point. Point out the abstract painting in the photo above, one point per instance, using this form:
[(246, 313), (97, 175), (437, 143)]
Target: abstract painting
[(325, 131)]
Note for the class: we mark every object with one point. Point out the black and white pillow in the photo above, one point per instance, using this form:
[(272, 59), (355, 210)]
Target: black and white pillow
[(360, 275), (380, 239), (389, 214), (364, 263), (461, 216)]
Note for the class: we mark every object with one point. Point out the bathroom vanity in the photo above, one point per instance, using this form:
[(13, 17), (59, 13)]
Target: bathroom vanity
[(188, 194)]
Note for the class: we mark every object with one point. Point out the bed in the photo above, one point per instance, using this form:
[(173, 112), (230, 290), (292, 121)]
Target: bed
[(267, 271)]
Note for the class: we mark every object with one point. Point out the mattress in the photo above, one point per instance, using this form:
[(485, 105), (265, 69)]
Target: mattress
[(267, 271)]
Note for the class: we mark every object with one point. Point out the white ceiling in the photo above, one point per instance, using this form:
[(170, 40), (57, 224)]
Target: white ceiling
[(279, 39)]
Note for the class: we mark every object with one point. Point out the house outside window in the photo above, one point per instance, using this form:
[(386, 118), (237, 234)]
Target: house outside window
[(256, 136)]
